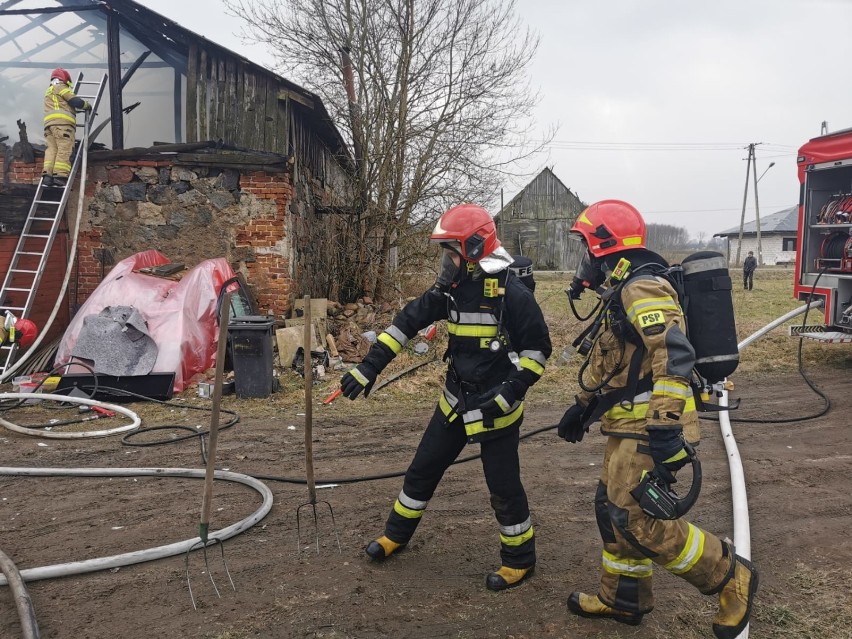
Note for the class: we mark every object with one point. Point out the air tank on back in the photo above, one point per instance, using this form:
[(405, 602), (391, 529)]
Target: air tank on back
[(709, 313)]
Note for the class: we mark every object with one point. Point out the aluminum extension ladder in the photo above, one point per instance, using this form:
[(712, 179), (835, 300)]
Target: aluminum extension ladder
[(29, 260)]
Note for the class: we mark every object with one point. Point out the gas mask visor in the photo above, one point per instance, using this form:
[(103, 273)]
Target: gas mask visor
[(449, 268), (588, 274)]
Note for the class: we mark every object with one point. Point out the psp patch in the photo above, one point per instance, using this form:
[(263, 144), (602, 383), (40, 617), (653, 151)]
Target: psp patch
[(651, 318)]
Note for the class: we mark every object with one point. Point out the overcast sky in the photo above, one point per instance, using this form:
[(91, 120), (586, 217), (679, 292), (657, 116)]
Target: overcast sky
[(624, 76)]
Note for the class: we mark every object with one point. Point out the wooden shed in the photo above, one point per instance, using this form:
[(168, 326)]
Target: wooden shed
[(203, 153), (536, 222)]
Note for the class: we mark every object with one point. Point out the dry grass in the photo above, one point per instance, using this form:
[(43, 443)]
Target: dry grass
[(771, 298), (815, 604)]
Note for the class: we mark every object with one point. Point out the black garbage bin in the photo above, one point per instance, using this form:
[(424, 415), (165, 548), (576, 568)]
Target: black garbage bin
[(250, 343)]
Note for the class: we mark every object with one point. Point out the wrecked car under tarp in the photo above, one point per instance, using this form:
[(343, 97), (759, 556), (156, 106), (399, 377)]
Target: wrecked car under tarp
[(181, 316)]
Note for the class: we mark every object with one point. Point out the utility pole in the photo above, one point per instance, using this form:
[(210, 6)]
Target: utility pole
[(745, 199), (757, 210)]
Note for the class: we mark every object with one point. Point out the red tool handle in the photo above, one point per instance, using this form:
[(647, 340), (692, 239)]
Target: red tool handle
[(104, 411), (333, 396)]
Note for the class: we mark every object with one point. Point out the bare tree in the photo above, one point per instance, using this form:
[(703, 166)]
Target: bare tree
[(439, 109), (666, 237)]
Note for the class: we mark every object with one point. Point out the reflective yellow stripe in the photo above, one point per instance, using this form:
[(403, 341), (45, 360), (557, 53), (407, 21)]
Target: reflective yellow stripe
[(640, 410), (651, 304), (62, 166), (359, 376), (477, 427), (532, 365), (691, 553), (408, 513), (671, 389), (637, 568), (517, 540), (390, 342), (445, 407), (471, 330), (59, 116)]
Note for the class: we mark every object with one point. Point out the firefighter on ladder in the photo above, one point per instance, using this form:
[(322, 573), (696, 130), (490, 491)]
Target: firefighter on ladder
[(645, 423), (60, 127), (498, 347)]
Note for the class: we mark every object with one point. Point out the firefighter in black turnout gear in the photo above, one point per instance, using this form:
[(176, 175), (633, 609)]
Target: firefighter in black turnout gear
[(498, 347), (637, 376)]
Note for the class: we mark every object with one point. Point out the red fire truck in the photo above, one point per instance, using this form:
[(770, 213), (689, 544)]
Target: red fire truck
[(824, 255)]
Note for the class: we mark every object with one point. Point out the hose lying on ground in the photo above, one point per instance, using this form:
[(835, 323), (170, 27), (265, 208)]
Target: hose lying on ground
[(23, 603), (139, 556)]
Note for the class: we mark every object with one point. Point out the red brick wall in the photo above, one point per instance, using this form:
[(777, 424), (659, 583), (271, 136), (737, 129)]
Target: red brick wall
[(268, 274), (20, 173), (271, 270), (51, 282)]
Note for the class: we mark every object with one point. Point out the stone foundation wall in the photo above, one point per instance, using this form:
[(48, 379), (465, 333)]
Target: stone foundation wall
[(189, 214)]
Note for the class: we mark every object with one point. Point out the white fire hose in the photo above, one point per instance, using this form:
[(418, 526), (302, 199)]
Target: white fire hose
[(742, 529)]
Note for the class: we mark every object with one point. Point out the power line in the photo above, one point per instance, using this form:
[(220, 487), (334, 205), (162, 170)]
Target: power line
[(772, 206), (589, 145)]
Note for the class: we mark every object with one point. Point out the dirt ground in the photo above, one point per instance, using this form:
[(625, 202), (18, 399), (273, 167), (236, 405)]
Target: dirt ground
[(800, 504)]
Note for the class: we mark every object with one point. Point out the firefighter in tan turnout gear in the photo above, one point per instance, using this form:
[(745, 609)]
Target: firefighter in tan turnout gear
[(635, 381), (60, 127), (498, 347)]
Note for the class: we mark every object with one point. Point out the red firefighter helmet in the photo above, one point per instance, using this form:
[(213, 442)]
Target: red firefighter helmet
[(469, 229), (60, 74), (610, 226), (26, 331)]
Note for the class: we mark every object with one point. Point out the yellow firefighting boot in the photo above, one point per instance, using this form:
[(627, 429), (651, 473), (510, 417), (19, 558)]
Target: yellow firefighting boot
[(592, 607), (507, 577), (382, 548), (735, 600)]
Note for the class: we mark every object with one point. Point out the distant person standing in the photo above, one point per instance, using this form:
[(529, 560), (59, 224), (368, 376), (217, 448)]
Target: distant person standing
[(749, 267), (60, 127)]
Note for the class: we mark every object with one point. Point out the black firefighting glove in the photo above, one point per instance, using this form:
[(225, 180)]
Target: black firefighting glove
[(360, 378), (667, 451), (571, 427), (499, 400)]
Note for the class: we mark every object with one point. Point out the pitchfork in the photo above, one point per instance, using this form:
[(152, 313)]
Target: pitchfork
[(309, 446), (207, 498)]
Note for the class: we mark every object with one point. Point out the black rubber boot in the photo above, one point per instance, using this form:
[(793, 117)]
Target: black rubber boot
[(382, 548), (506, 577), (591, 607)]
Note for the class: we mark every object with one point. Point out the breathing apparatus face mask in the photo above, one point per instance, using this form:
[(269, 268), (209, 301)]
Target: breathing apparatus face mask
[(450, 268), (589, 274)]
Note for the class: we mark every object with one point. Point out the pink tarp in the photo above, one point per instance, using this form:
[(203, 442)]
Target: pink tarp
[(181, 316)]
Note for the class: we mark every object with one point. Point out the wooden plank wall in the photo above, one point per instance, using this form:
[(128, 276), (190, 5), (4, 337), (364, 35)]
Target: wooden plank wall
[(544, 198), (229, 100)]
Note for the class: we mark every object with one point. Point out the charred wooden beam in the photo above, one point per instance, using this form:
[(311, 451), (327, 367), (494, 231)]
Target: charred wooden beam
[(114, 65), (178, 102), (192, 94), (254, 159), (133, 68), (203, 126), (21, 12), (225, 164), (154, 151)]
